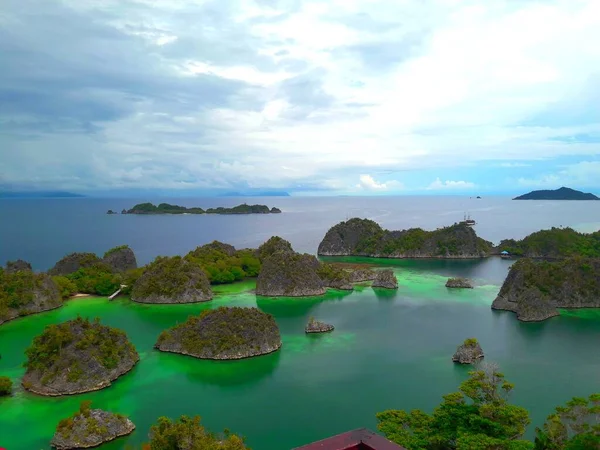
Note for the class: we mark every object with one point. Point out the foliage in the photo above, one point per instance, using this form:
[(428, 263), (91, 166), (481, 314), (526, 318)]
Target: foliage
[(61, 347), (575, 426), (5, 386), (223, 264), (66, 287), (555, 243), (241, 209), (275, 244), (478, 416), (333, 275), (18, 290), (166, 208), (97, 279), (470, 342), (187, 433), (83, 421), (130, 277), (115, 250)]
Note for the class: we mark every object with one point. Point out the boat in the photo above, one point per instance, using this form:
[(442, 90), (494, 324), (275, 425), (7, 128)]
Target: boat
[(505, 255), (468, 221)]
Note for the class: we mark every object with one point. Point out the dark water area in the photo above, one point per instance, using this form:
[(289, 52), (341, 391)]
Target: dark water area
[(390, 349)]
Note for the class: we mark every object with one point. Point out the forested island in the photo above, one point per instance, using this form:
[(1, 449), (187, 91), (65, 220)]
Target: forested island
[(554, 243), (166, 208), (563, 193)]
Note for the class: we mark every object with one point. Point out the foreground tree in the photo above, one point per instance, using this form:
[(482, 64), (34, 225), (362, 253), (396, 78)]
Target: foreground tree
[(575, 426), (478, 417)]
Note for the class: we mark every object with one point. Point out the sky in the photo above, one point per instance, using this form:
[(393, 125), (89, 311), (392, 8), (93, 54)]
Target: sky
[(337, 97)]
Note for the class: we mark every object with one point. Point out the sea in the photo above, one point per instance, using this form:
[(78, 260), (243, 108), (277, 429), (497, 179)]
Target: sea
[(389, 350)]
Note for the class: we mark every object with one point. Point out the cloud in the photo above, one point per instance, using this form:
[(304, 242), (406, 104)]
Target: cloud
[(449, 185), (512, 165), (581, 174), (368, 183)]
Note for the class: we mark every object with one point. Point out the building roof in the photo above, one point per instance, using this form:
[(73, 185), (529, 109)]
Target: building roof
[(360, 439)]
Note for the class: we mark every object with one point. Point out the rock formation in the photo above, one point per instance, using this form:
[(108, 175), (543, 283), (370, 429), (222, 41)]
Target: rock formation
[(275, 210), (274, 245), (289, 275), (223, 333), (469, 352), (217, 246), (314, 326), (360, 275), (17, 266), (385, 279), (563, 193), (23, 292), (172, 280), (77, 356), (120, 259), (363, 237), (73, 262), (460, 283), (334, 277), (534, 289), (90, 428)]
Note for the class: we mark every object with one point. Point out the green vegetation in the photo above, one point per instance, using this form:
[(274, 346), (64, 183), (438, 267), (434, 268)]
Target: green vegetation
[(470, 342), (223, 333), (115, 250), (5, 386), (130, 277), (188, 433), (575, 426), (332, 274), (241, 209), (65, 426), (18, 291), (166, 208), (97, 279), (61, 347), (554, 243), (275, 244), (66, 287), (223, 264)]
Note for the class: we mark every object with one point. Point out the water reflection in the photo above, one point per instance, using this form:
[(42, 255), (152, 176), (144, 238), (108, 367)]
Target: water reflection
[(297, 306)]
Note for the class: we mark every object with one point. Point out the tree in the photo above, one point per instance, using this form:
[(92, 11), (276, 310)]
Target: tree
[(575, 426), (477, 417), (5, 386)]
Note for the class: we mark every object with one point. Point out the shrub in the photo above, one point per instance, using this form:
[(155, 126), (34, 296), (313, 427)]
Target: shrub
[(66, 287), (5, 386)]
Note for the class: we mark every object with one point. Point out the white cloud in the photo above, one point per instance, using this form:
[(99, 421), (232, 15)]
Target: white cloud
[(513, 165), (449, 185), (368, 183), (582, 174)]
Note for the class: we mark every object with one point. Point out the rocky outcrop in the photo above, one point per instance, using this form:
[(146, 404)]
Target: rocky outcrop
[(172, 280), (469, 352), (17, 266), (90, 428), (286, 274), (385, 279), (23, 292), (275, 210), (217, 246), (120, 259), (334, 277), (361, 275), (459, 283), (314, 326), (274, 245), (223, 333), (534, 289), (73, 262), (363, 237), (77, 356)]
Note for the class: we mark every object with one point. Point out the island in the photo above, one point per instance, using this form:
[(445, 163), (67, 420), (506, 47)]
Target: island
[(293, 274), (77, 356), (364, 237), (90, 428), (459, 283), (385, 279), (172, 280), (223, 333), (23, 292), (468, 352), (534, 289), (223, 263), (166, 208), (563, 193), (314, 326)]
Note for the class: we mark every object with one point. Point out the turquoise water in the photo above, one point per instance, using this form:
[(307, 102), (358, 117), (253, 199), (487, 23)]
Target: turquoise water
[(390, 349)]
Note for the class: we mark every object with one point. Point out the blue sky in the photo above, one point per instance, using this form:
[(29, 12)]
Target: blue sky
[(356, 97)]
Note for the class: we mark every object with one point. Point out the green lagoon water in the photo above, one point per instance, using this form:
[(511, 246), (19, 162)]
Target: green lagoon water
[(389, 350)]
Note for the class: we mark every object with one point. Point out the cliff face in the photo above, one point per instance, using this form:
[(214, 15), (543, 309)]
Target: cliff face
[(223, 333), (23, 293), (120, 259), (17, 266), (274, 245), (289, 275), (534, 289), (363, 237), (73, 262), (77, 356), (172, 280), (385, 279)]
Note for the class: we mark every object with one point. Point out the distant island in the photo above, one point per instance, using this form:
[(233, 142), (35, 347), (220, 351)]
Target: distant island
[(39, 194), (564, 193), (166, 208), (255, 194)]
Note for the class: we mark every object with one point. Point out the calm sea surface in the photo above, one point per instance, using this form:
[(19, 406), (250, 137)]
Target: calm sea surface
[(389, 349)]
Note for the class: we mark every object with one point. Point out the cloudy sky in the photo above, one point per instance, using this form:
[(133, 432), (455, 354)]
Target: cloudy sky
[(311, 97)]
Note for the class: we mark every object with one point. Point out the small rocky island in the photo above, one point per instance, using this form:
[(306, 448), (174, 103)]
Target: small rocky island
[(563, 193), (385, 279), (459, 283), (23, 292), (117, 259), (89, 428), (363, 237), (172, 280), (223, 333), (77, 356), (469, 352), (314, 326), (166, 208), (535, 289)]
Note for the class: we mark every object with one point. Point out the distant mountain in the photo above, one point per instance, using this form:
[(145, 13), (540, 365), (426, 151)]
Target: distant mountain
[(256, 194), (38, 194), (564, 193)]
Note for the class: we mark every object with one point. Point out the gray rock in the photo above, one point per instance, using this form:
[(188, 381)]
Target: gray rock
[(73, 262), (468, 352), (334, 277), (314, 326), (17, 266), (289, 275), (385, 279), (360, 275), (120, 259), (274, 245), (221, 247), (459, 283), (106, 427)]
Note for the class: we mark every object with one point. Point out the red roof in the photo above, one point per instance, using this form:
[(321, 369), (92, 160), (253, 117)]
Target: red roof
[(361, 439)]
